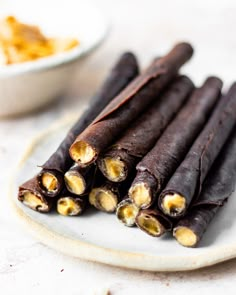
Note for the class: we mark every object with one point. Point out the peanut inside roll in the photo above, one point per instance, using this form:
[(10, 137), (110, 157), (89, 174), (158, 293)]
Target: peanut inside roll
[(69, 206), (49, 182), (140, 194), (173, 204), (150, 224), (126, 212), (185, 236), (103, 199), (75, 183), (113, 169), (82, 152), (34, 201), (143, 190)]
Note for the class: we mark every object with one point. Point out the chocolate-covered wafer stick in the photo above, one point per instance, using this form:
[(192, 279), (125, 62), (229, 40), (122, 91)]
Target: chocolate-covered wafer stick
[(118, 162), (126, 107), (185, 184), (126, 212), (50, 179), (78, 180), (153, 222), (106, 196), (30, 196), (159, 164), (219, 185), (71, 205)]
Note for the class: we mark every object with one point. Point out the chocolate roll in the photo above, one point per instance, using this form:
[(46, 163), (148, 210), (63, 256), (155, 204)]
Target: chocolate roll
[(126, 212), (51, 177), (217, 188), (71, 205), (128, 105), (159, 164), (153, 222), (31, 197), (106, 196), (119, 161), (78, 180), (186, 183)]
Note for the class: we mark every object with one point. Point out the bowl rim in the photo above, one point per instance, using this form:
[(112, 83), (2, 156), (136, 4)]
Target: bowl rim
[(59, 59)]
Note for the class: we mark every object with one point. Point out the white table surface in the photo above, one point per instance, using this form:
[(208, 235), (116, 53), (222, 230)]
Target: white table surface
[(149, 28)]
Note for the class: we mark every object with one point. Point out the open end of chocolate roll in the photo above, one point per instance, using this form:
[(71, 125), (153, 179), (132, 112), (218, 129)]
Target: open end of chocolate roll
[(113, 169), (68, 206), (103, 199), (92, 197), (173, 204), (34, 201), (49, 182), (75, 183), (149, 224), (126, 212), (81, 152), (185, 236), (140, 194)]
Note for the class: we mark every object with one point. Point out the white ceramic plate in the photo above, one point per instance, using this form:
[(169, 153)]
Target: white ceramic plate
[(100, 237)]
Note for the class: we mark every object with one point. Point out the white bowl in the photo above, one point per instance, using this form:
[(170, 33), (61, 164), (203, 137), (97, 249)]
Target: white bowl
[(27, 86)]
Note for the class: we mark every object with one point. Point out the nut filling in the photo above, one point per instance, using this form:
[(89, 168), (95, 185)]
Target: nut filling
[(68, 206), (173, 205), (114, 169), (74, 183), (127, 213), (185, 236), (49, 182), (82, 152), (92, 197), (149, 224), (140, 195), (104, 200), (34, 202)]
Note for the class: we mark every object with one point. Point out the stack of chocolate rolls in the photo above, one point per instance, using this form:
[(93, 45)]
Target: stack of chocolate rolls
[(152, 148)]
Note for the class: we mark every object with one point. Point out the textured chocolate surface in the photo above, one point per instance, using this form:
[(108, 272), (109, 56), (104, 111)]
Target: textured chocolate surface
[(188, 178), (133, 100), (120, 76), (173, 145), (137, 140), (217, 188)]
